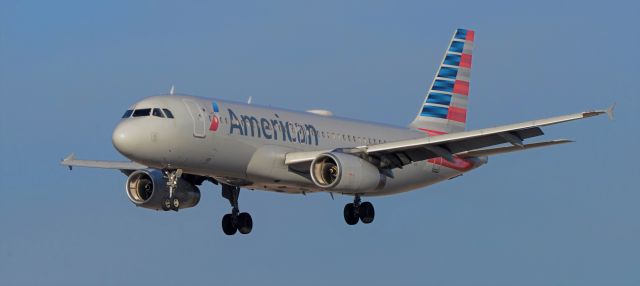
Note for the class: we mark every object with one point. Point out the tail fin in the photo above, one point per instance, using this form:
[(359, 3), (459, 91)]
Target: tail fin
[(444, 109)]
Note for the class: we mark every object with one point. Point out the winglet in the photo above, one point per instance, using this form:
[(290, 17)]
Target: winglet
[(71, 157), (610, 111)]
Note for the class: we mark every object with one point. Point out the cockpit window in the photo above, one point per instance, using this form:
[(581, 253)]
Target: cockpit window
[(141, 112), (157, 112), (168, 113), (127, 113)]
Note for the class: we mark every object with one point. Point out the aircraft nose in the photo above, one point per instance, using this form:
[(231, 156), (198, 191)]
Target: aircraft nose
[(125, 138)]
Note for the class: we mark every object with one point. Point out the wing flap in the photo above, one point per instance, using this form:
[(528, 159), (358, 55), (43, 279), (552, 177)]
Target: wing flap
[(509, 149)]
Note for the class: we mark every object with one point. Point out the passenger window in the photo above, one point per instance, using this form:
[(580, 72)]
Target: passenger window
[(157, 112), (141, 112), (168, 113), (127, 113)]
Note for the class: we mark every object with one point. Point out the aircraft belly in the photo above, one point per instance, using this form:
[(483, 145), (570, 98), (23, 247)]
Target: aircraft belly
[(232, 156), (411, 177), (414, 176), (267, 165)]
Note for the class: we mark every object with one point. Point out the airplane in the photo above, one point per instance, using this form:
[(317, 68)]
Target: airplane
[(177, 142)]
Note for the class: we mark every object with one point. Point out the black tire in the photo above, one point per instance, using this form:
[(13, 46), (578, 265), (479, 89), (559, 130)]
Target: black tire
[(350, 216), (227, 225), (175, 204), (366, 212), (245, 223), (166, 204)]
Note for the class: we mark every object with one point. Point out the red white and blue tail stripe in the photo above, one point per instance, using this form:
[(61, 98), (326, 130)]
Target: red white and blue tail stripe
[(444, 109)]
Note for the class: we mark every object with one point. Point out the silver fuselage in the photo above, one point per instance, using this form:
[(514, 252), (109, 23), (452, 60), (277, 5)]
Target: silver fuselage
[(247, 145)]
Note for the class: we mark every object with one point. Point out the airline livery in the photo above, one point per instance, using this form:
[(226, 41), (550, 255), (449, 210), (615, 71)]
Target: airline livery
[(177, 142)]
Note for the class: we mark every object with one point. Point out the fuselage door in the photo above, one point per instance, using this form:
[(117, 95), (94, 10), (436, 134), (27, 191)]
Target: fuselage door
[(197, 113)]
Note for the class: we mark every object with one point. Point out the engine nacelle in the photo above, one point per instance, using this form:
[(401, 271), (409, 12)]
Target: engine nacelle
[(148, 188), (346, 173)]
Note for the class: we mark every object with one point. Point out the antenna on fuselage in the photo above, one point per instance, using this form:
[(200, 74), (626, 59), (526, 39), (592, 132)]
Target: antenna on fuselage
[(172, 90)]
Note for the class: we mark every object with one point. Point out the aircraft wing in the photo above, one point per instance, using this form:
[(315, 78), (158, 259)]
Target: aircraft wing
[(399, 153), (71, 162)]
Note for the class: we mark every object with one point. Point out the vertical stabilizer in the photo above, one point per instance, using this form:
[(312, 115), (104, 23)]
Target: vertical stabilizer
[(444, 109)]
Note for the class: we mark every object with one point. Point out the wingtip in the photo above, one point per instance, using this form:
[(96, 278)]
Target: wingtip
[(66, 160), (609, 112)]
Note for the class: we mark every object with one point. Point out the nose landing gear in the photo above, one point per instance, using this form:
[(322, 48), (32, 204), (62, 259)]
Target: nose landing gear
[(358, 211), (235, 221), (171, 202)]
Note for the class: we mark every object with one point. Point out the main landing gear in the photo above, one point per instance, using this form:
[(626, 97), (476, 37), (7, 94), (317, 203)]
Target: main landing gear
[(171, 202), (235, 221), (358, 211)]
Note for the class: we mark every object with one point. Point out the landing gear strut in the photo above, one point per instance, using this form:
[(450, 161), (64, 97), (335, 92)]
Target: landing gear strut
[(235, 221), (171, 202), (358, 211)]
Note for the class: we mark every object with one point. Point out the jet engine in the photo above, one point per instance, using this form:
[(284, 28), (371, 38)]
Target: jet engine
[(346, 173), (148, 188)]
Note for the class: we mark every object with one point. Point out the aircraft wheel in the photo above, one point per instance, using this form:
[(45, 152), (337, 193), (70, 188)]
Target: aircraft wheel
[(166, 204), (350, 216), (227, 225), (175, 204), (366, 212), (245, 223)]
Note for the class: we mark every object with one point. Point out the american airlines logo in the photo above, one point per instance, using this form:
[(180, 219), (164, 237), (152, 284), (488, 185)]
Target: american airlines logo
[(215, 121), (272, 129)]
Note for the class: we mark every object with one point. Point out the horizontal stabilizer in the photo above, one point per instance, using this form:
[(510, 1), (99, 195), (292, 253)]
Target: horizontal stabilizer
[(509, 149)]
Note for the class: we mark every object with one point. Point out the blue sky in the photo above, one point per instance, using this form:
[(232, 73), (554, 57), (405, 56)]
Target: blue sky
[(566, 215)]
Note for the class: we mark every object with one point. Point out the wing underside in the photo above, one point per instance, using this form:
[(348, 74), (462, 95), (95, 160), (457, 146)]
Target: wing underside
[(125, 167)]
